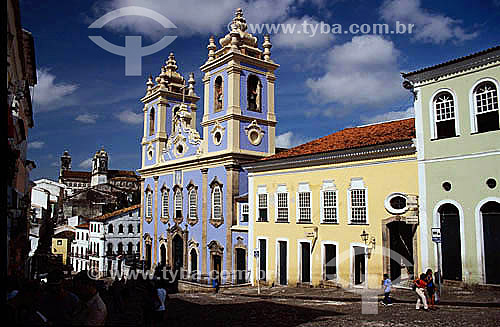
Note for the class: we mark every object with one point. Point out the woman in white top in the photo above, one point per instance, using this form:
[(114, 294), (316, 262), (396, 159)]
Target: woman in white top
[(160, 309)]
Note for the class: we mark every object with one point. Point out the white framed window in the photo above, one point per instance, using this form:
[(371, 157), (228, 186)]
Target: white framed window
[(328, 198), (216, 202), (193, 203), (164, 203), (485, 106), (178, 203), (244, 212), (304, 205), (444, 115), (149, 204), (282, 204), (262, 207), (358, 204)]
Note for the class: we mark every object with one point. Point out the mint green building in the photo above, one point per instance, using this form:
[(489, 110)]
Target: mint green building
[(458, 145)]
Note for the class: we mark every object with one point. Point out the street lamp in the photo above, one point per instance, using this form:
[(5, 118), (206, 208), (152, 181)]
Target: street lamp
[(371, 244)]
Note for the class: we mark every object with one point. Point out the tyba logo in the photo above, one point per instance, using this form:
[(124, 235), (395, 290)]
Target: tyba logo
[(133, 51)]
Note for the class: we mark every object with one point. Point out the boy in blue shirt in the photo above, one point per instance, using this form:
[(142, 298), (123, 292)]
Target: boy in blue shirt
[(387, 290)]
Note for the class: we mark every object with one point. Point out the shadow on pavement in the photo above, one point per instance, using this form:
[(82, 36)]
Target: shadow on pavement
[(259, 313)]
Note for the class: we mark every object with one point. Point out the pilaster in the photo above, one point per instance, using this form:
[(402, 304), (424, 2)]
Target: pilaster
[(204, 206)]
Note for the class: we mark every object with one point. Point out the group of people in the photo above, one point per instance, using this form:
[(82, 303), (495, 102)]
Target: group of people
[(84, 301), (424, 287)]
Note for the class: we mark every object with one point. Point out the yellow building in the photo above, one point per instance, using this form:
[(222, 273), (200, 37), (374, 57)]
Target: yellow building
[(340, 210), (61, 244)]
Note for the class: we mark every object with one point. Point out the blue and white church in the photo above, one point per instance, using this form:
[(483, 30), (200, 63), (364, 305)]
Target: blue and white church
[(193, 213)]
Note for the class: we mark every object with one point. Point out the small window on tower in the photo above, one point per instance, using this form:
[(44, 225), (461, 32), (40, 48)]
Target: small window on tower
[(218, 94), (254, 87), (152, 121)]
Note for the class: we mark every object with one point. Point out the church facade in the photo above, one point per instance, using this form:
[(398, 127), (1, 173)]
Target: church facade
[(190, 219)]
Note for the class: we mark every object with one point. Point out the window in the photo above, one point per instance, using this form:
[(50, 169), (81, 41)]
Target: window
[(444, 110), (218, 94), (149, 204), (178, 203), (110, 249), (193, 205), (110, 229), (129, 248), (120, 248), (262, 198), (120, 228), (254, 88), (282, 207), (244, 212), (152, 121), (164, 204), (304, 206), (329, 206), (217, 203), (357, 202), (486, 107), (130, 229)]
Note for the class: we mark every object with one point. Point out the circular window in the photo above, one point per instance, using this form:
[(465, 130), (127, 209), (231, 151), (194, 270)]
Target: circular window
[(396, 203), (491, 182), (254, 136), (447, 186)]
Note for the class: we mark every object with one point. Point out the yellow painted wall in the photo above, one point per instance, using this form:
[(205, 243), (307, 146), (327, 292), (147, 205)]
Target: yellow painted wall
[(381, 177), (61, 249)]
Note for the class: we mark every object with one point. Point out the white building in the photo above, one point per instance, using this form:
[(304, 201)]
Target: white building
[(80, 248), (113, 238)]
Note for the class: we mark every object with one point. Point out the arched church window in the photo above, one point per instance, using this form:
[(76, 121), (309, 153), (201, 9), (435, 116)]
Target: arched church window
[(178, 203), (254, 88), (218, 94), (152, 121)]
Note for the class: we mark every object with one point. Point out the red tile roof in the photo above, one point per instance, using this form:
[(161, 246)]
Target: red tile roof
[(76, 174), (355, 137), (83, 225), (115, 213)]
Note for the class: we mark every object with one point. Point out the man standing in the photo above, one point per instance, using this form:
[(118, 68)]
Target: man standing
[(94, 311)]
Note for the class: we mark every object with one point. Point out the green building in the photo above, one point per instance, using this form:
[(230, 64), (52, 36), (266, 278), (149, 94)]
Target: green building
[(458, 145)]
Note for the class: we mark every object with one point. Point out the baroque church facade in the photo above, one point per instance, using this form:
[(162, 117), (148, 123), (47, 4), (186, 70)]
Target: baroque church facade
[(190, 186)]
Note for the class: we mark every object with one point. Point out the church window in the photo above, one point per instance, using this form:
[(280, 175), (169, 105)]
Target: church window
[(217, 202), (218, 94), (254, 90), (152, 121), (164, 204), (178, 203), (149, 204), (193, 206)]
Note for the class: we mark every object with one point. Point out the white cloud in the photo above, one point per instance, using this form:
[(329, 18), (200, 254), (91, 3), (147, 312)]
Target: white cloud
[(87, 118), (289, 140), (86, 164), (193, 16), (49, 95), (363, 71), (36, 144), (429, 27), (302, 33), (130, 117), (390, 115)]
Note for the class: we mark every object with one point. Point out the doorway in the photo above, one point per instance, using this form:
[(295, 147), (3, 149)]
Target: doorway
[(450, 242), (241, 268), (401, 251), (282, 262), (305, 276), (490, 213), (359, 265), (178, 253), (163, 255), (194, 264), (148, 256)]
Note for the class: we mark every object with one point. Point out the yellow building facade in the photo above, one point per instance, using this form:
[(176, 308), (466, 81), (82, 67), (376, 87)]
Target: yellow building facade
[(60, 248), (341, 210)]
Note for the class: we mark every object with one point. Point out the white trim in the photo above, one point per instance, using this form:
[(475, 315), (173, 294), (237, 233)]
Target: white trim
[(278, 259), (480, 235), (352, 187), (422, 212), (323, 263), (472, 101), (437, 224), (419, 124), (351, 255), (388, 206), (299, 259), (463, 157), (326, 187), (251, 218), (281, 190), (432, 112)]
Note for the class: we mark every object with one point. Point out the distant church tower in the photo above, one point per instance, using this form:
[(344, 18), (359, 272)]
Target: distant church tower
[(65, 164), (99, 168)]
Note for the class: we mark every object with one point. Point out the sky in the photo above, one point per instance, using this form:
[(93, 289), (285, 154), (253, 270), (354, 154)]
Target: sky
[(326, 81)]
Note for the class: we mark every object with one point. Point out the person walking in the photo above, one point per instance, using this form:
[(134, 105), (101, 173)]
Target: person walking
[(160, 307), (419, 286), (387, 290)]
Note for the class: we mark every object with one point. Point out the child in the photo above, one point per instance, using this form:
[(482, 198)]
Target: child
[(387, 290), (431, 288), (419, 286)]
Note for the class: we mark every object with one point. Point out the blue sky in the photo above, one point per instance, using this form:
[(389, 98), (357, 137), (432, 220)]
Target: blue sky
[(325, 82)]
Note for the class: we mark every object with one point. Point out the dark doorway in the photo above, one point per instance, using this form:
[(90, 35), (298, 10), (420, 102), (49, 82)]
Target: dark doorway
[(282, 262), (330, 262), (450, 242), (148, 256), (359, 265), (241, 269), (401, 245), (491, 236), (306, 262), (262, 259), (217, 259), (194, 264), (178, 253), (163, 255)]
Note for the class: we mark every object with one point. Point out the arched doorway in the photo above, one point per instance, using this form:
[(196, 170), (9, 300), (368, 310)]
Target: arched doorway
[(451, 249), (401, 237), (490, 213), (178, 253), (163, 255), (194, 263), (148, 256)]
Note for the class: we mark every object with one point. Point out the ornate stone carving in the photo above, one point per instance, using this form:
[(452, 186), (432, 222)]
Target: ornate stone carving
[(217, 133), (254, 133)]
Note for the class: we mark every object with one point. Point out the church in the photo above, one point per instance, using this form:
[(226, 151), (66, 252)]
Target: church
[(194, 217)]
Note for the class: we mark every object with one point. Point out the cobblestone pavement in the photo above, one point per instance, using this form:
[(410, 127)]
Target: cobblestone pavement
[(234, 310)]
